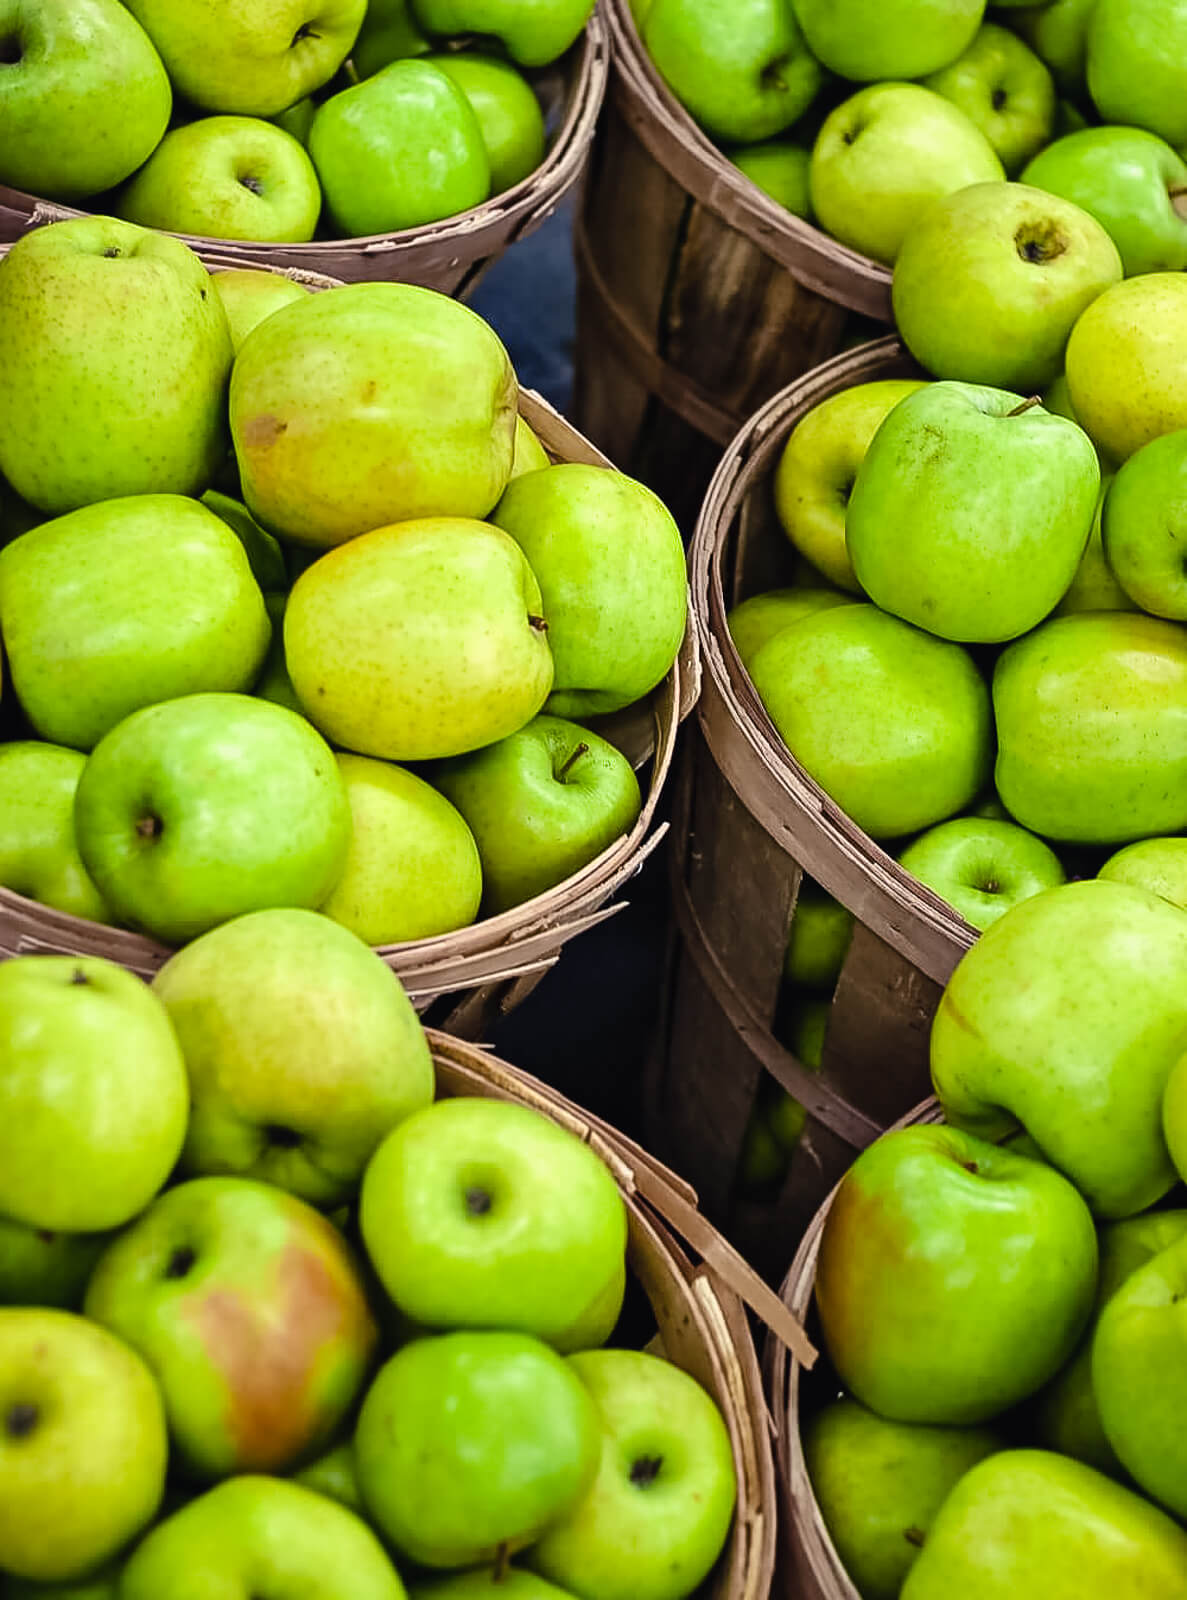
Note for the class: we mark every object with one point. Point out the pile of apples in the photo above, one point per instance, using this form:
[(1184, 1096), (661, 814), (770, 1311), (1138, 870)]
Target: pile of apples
[(1004, 1298), (1086, 99), (275, 1321), (252, 119), (217, 704)]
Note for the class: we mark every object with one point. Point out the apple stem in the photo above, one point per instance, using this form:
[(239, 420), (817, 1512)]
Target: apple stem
[(149, 827), (502, 1562), (1027, 405), (538, 623), (20, 1419), (915, 1536), (1178, 198), (581, 750)]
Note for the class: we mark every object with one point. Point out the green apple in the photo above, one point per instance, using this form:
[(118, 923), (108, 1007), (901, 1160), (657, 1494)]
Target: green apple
[(226, 178), (806, 1028), (508, 113), (1095, 586), (1083, 978), (819, 464), (84, 97), (274, 682), (981, 867), (251, 57), (819, 940), (123, 604), (1144, 526), (38, 852), (541, 805), (480, 1213), (884, 156), (990, 282), (1134, 64), (297, 120), (1005, 90), (869, 39), (530, 455), (399, 150), (82, 1445), (659, 1511), (1125, 363), (780, 169), (469, 1444), (334, 1475), (39, 1267), (976, 1266), (762, 1162), (250, 1311), (388, 34), (114, 355), (1159, 865), (752, 622), (892, 723), (412, 868), (508, 1584), (1132, 182), (1174, 1117), (257, 1535), (421, 640), (93, 1097), (264, 555), (1090, 715), (302, 1050), (1058, 34), (880, 1484), (1067, 1416), (971, 511), (197, 810), (739, 67), (611, 568), (1026, 1523), (371, 404), (533, 32)]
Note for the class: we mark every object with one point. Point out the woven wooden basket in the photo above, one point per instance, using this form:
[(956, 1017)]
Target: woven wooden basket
[(450, 255), (699, 295), (471, 977), (700, 1321), (748, 822)]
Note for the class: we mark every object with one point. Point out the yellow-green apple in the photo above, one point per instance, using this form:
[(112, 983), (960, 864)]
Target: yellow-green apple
[(742, 70), (1144, 525), (1025, 1524), (274, 682), (256, 1535), (954, 1278), (264, 555), (114, 355), (84, 97), (226, 178), (82, 1444), (38, 852), (879, 1484), (469, 1444), (412, 868), (1067, 1418), (509, 1584), (1174, 1117), (388, 34), (254, 58), (1005, 90), (1091, 712), (982, 867), (819, 940), (892, 723), (197, 810), (41, 1267), (1019, 268), (1094, 588), (1159, 865), (420, 640), (655, 1520), (371, 404), (1058, 34), (479, 1213), (93, 1098), (533, 32), (123, 604), (1132, 182), (250, 1310), (508, 113), (1134, 64), (752, 622), (610, 565), (1125, 363), (1085, 979), (885, 155), (780, 169), (529, 454), (971, 511), (334, 1475), (302, 1051), (249, 294), (541, 804), (398, 150), (819, 464), (864, 40)]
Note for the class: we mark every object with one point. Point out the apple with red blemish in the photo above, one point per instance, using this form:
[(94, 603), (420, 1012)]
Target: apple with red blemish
[(250, 1309)]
